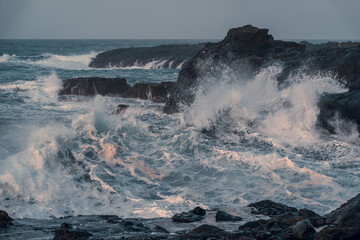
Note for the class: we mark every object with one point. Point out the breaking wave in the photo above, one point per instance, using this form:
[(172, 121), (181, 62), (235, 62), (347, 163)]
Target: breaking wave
[(153, 64), (72, 62), (241, 141)]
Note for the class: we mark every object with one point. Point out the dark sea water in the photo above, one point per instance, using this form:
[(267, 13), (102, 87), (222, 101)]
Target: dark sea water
[(75, 156)]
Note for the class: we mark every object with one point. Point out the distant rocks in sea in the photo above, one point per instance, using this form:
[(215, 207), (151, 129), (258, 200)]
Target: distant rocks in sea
[(91, 86), (158, 57)]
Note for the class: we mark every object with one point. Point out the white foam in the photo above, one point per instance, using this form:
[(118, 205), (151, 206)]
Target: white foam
[(73, 62), (4, 58)]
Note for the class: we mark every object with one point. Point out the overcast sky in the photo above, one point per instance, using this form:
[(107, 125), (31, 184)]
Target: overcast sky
[(194, 19)]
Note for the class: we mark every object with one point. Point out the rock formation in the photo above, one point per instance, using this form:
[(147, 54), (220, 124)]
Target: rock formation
[(164, 56), (255, 48)]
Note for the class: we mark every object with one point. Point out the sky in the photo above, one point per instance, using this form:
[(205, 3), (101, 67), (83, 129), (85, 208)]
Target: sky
[(177, 19)]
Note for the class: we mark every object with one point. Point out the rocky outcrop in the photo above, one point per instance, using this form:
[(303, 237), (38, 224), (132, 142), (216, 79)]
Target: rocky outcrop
[(253, 48), (5, 220), (91, 86), (343, 223), (164, 56)]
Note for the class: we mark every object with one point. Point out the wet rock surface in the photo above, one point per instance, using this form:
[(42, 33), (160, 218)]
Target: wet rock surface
[(248, 49), (283, 222), (164, 56), (5, 220), (222, 216), (194, 215), (93, 86)]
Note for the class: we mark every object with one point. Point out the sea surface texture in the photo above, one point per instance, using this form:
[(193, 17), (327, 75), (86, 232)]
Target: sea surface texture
[(239, 142)]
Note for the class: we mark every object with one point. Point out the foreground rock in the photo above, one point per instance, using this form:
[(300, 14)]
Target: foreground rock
[(283, 223), (66, 232), (164, 56), (5, 220), (343, 223), (247, 49), (195, 215), (92, 86)]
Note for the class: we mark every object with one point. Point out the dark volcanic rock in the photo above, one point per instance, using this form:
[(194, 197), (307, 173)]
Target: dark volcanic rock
[(199, 211), (164, 56), (5, 220), (246, 44), (344, 222), (303, 230), (117, 87), (64, 233), (206, 232), (222, 216), (252, 48), (92, 86), (345, 105), (154, 92), (270, 208), (197, 214)]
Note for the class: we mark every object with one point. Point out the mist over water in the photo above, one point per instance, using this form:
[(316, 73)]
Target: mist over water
[(244, 139)]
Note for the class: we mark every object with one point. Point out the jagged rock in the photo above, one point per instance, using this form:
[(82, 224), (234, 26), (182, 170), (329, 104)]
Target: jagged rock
[(197, 214), (255, 48), (64, 233), (270, 208), (91, 86), (344, 222), (222, 216), (206, 232), (164, 56), (346, 105), (5, 220)]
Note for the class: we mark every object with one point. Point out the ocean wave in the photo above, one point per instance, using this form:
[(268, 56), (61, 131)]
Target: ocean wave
[(72, 62), (153, 64), (237, 140)]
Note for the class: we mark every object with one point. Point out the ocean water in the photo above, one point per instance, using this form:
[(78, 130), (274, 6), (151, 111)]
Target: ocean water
[(242, 140)]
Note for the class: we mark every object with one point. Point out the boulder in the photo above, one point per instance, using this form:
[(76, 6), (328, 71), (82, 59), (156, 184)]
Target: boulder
[(197, 214), (206, 232), (343, 223), (270, 208), (303, 230), (222, 216), (5, 220), (66, 232)]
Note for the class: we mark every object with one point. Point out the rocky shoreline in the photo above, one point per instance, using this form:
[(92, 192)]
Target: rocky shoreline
[(163, 57), (271, 220)]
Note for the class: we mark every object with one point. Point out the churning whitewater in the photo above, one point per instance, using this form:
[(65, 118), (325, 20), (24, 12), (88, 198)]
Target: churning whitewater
[(239, 142)]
